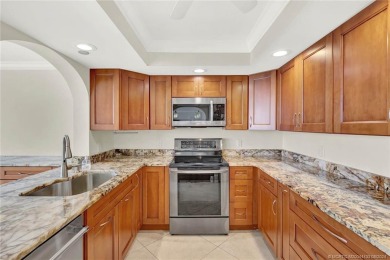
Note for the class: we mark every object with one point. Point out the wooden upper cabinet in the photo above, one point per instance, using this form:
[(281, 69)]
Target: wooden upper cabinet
[(237, 103), (287, 92), (160, 102), (104, 99), (212, 86), (315, 88), (184, 86), (361, 71), (198, 86), (134, 101), (262, 101)]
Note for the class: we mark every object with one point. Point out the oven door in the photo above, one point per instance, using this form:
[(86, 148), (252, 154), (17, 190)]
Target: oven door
[(199, 193)]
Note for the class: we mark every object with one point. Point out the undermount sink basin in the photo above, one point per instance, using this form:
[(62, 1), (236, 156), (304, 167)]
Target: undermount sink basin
[(74, 186)]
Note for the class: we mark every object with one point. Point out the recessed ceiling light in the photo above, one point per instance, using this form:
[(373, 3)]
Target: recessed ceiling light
[(199, 70), (86, 47), (280, 53)]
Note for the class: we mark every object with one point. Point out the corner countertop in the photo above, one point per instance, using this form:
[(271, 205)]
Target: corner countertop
[(26, 222), (27, 161)]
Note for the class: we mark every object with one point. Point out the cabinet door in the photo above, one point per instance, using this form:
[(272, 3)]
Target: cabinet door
[(134, 101), (269, 218), (185, 86), (315, 94), (102, 239), (283, 222), (160, 102), (262, 101), (126, 220), (237, 103), (104, 99), (153, 195), (212, 86), (287, 93), (361, 71)]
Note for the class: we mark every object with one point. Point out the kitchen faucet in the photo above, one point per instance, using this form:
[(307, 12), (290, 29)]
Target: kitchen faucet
[(66, 154)]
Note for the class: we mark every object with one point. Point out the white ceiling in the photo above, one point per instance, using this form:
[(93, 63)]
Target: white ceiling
[(141, 36)]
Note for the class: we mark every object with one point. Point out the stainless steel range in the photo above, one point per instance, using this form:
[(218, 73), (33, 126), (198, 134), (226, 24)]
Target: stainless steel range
[(199, 188)]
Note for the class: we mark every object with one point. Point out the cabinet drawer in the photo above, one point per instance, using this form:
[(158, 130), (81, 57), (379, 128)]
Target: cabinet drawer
[(241, 173), (15, 173), (241, 190), (241, 213), (341, 238), (270, 183), (306, 242)]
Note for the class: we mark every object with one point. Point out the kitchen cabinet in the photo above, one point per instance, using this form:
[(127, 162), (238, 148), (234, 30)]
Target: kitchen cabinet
[(283, 222), (160, 102), (154, 197), (361, 73), (269, 217), (262, 101), (198, 86), (134, 101), (113, 222), (13, 173), (315, 88), (241, 197), (305, 90), (310, 227), (104, 99), (237, 103), (287, 93)]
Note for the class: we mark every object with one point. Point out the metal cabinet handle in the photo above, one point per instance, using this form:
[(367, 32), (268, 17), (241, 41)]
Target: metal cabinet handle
[(127, 199), (286, 191), (314, 253), (250, 122), (240, 214), (105, 223), (240, 190), (330, 232), (295, 119), (273, 204), (299, 119)]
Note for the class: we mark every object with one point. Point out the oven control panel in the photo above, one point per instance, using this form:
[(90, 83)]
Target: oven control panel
[(198, 144)]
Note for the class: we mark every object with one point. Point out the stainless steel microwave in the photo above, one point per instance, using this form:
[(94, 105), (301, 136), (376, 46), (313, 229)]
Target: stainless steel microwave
[(198, 112)]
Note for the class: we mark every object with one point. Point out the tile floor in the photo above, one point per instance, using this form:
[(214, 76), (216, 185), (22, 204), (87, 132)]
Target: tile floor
[(161, 245)]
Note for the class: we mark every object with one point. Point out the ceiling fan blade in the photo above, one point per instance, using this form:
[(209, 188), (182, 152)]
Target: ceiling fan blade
[(180, 9), (245, 5)]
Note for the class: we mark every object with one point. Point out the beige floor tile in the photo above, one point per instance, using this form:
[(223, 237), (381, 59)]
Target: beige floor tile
[(147, 238), (219, 239), (248, 245), (219, 254), (136, 245), (181, 247), (140, 253)]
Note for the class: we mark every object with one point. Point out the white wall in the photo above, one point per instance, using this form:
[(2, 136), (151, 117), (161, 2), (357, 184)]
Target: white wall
[(369, 153), (100, 141), (163, 139), (36, 112)]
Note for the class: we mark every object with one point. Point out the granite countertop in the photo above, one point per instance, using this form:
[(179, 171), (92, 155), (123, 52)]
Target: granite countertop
[(28, 221), (30, 161)]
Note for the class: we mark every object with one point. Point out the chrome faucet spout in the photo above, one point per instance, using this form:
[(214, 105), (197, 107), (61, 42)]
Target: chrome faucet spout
[(66, 154)]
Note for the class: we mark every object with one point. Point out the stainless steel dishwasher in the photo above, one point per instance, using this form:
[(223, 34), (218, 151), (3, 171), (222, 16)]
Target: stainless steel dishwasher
[(66, 244)]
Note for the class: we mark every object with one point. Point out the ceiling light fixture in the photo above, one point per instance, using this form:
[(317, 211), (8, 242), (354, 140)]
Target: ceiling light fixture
[(86, 47), (199, 70), (280, 53)]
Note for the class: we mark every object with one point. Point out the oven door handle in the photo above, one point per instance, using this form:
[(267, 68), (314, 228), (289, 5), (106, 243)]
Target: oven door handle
[(175, 170)]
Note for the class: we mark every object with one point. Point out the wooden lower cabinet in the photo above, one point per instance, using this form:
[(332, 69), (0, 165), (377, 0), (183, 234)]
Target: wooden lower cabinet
[(283, 222), (113, 222), (13, 173), (154, 197), (269, 217)]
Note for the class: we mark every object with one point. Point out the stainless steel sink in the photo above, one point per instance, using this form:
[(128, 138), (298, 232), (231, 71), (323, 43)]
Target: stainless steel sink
[(74, 186)]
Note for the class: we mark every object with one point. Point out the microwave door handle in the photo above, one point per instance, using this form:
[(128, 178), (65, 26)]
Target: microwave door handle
[(211, 111)]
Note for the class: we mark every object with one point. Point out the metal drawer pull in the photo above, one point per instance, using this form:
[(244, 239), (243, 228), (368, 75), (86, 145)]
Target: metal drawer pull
[(105, 223), (241, 190), (240, 214), (126, 200), (240, 173), (330, 232), (273, 204), (286, 191), (315, 253)]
